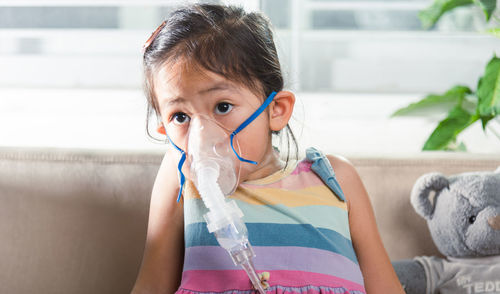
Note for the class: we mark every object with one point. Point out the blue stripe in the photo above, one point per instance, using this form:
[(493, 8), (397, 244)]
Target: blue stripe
[(320, 216), (266, 234)]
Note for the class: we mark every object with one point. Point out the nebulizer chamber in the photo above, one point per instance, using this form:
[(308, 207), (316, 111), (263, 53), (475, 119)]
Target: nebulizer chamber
[(214, 170)]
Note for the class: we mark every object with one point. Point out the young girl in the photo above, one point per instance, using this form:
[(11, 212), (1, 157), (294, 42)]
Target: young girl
[(218, 66)]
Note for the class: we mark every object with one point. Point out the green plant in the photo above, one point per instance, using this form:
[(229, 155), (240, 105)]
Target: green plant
[(465, 106)]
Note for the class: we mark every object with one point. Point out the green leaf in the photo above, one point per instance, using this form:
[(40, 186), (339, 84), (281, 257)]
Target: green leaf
[(453, 96), (488, 92), (488, 6), (446, 132), (431, 14), (494, 32)]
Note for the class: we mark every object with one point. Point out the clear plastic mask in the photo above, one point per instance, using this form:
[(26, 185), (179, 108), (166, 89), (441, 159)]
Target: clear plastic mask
[(208, 140)]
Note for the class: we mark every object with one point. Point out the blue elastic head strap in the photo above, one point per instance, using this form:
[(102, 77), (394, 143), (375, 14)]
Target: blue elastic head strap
[(248, 121), (182, 178), (251, 118)]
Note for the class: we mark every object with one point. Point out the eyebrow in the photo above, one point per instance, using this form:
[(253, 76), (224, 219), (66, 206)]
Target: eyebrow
[(173, 101), (217, 87)]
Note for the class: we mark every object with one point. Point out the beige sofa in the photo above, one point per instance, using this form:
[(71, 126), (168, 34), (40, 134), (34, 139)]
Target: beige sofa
[(74, 221)]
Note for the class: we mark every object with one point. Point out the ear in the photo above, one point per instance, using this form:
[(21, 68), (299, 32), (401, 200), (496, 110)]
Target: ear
[(497, 171), (280, 110), (161, 129), (421, 190)]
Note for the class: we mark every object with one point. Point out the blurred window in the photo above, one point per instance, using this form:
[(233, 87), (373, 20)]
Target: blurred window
[(324, 45), (378, 46)]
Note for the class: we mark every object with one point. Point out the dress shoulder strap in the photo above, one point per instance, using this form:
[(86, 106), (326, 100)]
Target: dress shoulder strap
[(322, 167)]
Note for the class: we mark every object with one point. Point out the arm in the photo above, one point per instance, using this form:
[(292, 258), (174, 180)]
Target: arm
[(164, 251), (378, 273)]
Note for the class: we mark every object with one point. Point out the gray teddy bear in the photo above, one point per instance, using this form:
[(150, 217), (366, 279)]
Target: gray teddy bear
[(463, 215)]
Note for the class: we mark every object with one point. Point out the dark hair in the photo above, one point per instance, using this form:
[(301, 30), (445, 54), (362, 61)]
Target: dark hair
[(222, 39)]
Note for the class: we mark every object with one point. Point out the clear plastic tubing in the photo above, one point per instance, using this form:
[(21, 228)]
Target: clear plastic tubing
[(224, 220)]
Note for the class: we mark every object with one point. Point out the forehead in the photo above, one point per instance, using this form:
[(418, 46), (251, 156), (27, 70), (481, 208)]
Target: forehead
[(185, 79)]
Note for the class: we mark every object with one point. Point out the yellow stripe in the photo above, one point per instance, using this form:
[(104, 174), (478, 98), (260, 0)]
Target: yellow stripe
[(316, 195)]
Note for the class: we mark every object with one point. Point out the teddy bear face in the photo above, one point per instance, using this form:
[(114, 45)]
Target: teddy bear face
[(464, 219)]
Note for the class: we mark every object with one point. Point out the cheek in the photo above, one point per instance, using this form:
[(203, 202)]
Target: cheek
[(254, 139)]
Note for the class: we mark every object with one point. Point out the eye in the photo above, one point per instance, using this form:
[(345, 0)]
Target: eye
[(223, 108), (472, 219), (180, 118)]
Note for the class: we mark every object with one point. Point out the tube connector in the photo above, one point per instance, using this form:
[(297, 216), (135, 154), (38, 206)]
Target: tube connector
[(228, 213), (243, 257)]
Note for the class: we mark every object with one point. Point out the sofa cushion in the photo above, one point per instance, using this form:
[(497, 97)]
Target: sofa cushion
[(73, 221)]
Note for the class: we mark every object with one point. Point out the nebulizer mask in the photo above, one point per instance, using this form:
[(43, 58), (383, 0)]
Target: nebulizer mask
[(214, 159)]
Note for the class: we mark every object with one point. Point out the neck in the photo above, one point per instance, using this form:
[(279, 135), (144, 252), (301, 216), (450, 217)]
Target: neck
[(269, 165)]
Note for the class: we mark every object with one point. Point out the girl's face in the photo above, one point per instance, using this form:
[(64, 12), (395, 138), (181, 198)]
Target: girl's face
[(184, 91)]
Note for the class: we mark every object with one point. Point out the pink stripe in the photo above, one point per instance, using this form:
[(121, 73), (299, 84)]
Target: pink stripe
[(219, 281), (303, 166)]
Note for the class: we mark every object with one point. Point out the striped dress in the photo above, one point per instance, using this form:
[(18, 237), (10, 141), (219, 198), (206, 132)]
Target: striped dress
[(298, 229)]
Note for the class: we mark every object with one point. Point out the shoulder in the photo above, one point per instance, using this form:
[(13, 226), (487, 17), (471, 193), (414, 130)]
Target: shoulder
[(344, 169), (348, 179), (339, 162)]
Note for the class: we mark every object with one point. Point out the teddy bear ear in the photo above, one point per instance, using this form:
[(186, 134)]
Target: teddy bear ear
[(497, 171), (421, 192)]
